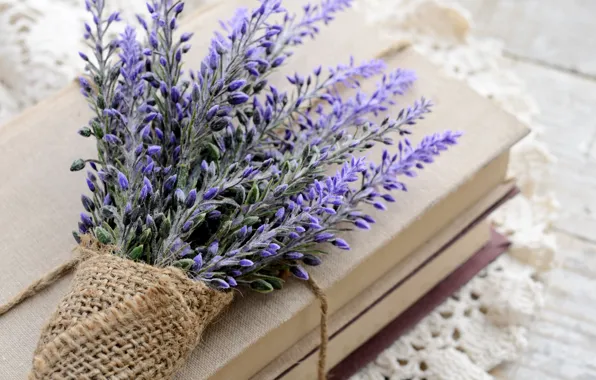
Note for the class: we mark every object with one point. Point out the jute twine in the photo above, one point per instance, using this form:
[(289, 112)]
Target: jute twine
[(128, 320)]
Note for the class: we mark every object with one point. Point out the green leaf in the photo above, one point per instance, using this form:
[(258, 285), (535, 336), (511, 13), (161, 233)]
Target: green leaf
[(261, 286), (184, 264), (77, 165), (213, 152), (199, 219), (164, 229), (76, 236), (101, 103), (103, 236), (253, 194), (107, 227), (137, 252), (85, 131), (97, 80), (97, 130), (306, 152), (146, 235), (285, 167), (251, 220), (109, 212), (239, 194), (276, 282), (225, 228)]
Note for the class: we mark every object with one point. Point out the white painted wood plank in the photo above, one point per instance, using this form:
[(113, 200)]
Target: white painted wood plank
[(555, 32), (568, 114), (549, 40)]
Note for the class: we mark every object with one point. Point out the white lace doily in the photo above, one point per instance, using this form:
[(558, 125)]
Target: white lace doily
[(481, 326)]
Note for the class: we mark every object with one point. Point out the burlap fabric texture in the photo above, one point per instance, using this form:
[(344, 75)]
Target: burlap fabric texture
[(125, 320)]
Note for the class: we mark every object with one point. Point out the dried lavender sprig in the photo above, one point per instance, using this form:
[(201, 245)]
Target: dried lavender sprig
[(276, 199), (315, 216), (298, 172), (251, 135), (237, 65)]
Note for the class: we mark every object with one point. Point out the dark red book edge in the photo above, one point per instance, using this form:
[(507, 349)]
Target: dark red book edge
[(497, 245)]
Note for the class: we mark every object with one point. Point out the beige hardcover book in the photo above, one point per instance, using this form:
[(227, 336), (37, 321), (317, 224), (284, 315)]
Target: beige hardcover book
[(39, 205)]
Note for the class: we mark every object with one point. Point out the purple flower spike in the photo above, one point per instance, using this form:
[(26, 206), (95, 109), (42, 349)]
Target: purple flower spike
[(179, 8), (87, 221), (245, 263), (293, 255), (122, 181), (185, 37), (220, 284), (380, 206), (144, 193), (191, 198), (198, 259), (231, 281), (213, 248), (311, 260), (82, 228), (368, 218), (323, 237), (388, 198), (237, 84), (237, 98), (88, 204), (212, 111), (361, 223), (299, 272), (179, 195), (90, 185), (341, 243), (210, 194), (280, 213), (265, 253), (112, 139), (187, 226), (170, 182), (215, 214)]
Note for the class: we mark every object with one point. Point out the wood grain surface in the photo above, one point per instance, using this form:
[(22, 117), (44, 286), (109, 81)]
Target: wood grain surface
[(552, 46)]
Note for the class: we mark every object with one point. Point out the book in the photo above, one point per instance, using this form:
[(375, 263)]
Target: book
[(39, 204), (392, 293), (368, 351)]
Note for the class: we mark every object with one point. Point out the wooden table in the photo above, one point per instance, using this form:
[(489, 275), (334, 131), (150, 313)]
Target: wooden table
[(552, 46)]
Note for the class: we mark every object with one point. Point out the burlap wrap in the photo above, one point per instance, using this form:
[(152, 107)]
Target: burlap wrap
[(125, 320)]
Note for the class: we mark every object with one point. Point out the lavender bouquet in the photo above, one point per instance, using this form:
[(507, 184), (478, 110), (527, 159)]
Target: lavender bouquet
[(211, 179)]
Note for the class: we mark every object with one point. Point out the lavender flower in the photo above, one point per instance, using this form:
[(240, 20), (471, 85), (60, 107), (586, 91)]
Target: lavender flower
[(221, 174)]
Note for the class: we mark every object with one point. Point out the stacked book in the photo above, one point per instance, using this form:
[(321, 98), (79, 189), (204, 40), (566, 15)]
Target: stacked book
[(420, 250)]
